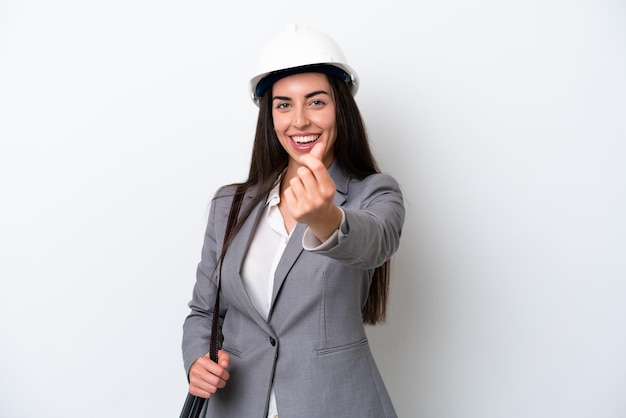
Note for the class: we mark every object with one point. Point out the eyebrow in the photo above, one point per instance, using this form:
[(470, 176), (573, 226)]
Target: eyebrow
[(307, 96)]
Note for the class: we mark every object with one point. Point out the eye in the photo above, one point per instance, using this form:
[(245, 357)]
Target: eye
[(317, 103), (282, 106)]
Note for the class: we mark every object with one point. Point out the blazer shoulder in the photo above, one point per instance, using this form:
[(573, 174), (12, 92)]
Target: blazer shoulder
[(224, 195), (375, 183), (225, 191), (347, 184), (383, 179)]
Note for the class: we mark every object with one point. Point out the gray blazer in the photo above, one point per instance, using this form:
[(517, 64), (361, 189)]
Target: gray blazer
[(313, 346)]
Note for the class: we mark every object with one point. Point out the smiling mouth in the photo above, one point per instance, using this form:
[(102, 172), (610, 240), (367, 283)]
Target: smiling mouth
[(303, 140)]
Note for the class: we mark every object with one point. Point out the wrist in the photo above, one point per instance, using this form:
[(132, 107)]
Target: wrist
[(328, 225)]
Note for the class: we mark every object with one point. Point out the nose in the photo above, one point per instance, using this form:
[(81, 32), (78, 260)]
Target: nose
[(300, 117)]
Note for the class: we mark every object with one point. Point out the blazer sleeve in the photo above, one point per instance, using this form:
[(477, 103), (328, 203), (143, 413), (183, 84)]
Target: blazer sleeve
[(374, 216), (197, 325)]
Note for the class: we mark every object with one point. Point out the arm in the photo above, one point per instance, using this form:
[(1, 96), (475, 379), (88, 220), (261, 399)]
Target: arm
[(370, 225), (197, 325), (374, 216)]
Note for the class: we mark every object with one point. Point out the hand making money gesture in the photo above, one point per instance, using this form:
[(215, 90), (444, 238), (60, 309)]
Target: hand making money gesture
[(310, 195)]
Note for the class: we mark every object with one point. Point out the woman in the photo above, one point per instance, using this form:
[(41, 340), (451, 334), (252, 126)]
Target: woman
[(307, 263)]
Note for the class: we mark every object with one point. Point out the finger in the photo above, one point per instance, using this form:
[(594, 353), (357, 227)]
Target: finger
[(202, 383), (202, 389), (317, 182), (210, 371), (205, 387), (307, 180), (313, 158), (207, 382), (297, 188), (290, 199), (199, 392)]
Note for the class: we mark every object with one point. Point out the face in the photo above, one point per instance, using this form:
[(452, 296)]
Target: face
[(303, 111)]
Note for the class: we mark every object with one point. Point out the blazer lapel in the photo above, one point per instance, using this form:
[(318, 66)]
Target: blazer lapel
[(240, 246), (288, 259)]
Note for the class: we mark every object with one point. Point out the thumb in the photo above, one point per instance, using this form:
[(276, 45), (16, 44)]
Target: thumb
[(223, 359), (318, 150)]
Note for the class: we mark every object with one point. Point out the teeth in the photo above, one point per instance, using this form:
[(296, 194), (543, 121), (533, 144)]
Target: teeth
[(305, 139)]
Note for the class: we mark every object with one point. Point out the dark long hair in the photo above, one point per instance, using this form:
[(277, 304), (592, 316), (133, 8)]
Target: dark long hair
[(352, 154)]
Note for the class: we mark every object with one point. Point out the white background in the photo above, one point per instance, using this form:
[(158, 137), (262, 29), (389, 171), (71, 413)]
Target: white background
[(504, 122)]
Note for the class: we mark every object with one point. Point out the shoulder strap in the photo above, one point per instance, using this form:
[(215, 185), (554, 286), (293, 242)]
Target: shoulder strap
[(193, 404), (232, 220)]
